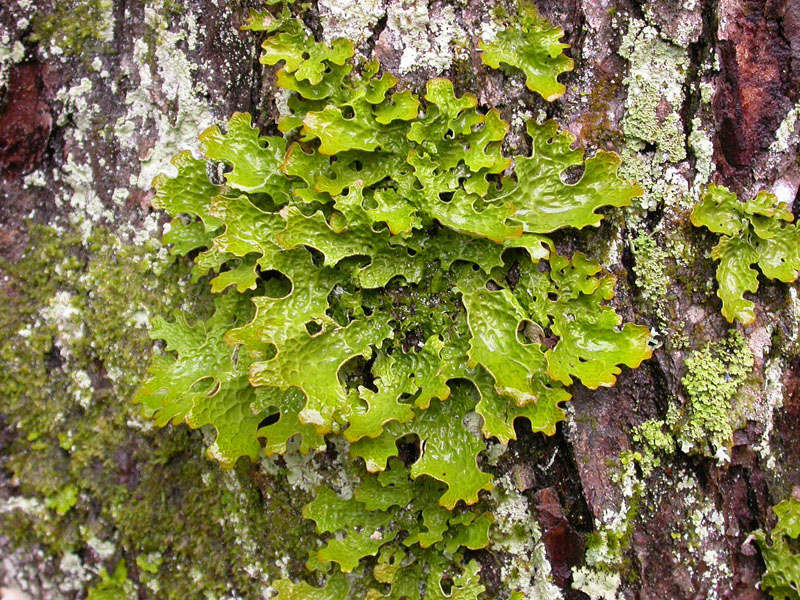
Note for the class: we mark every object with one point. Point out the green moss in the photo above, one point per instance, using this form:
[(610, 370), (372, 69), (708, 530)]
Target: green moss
[(595, 120), (714, 374), (63, 499), (74, 27), (87, 469), (114, 586)]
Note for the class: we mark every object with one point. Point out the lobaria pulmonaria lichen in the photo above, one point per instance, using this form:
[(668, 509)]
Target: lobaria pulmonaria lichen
[(380, 276), (779, 549), (759, 231)]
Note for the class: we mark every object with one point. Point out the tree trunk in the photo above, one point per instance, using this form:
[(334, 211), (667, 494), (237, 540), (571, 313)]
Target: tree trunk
[(98, 95)]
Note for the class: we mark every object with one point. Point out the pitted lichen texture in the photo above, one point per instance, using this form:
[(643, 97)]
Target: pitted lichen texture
[(381, 277)]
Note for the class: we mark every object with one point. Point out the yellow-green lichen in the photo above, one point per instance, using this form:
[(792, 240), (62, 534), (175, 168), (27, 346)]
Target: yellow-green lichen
[(714, 375), (759, 232), (375, 232), (655, 143), (656, 441), (63, 499), (114, 586)]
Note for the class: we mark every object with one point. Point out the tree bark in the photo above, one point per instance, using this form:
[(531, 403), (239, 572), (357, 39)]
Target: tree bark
[(98, 96)]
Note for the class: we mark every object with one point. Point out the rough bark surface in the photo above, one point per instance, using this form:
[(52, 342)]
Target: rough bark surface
[(95, 98)]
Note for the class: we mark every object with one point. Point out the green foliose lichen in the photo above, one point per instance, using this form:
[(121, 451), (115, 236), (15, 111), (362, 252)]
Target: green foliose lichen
[(381, 278), (114, 586), (760, 231), (532, 45), (780, 551), (63, 499)]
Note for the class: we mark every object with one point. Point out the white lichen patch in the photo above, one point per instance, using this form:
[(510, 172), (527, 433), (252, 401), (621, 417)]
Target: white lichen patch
[(105, 549), (473, 422), (488, 32), (794, 303), (63, 313), (350, 19), (76, 574), (655, 91), (170, 76), (192, 116), (75, 105), (104, 28), (29, 506), (782, 153), (600, 576), (703, 149), (765, 405), (709, 549), (302, 473), (23, 574), (10, 54), (82, 387), (429, 39), (615, 246), (517, 533), (684, 24), (784, 136), (598, 585), (87, 209), (79, 189), (494, 451), (34, 179)]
